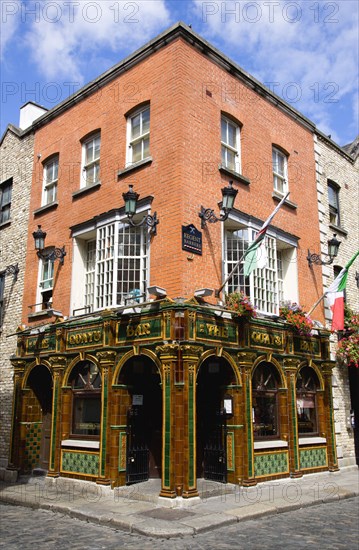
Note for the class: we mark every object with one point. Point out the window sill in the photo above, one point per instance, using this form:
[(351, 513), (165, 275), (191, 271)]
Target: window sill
[(134, 166), (235, 175), (86, 189), (338, 229), (272, 444), (278, 197), (312, 440), (44, 313), (80, 443), (5, 224), (49, 206)]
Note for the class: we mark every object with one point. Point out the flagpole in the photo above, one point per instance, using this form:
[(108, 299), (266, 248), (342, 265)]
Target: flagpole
[(250, 248), (218, 291), (316, 304)]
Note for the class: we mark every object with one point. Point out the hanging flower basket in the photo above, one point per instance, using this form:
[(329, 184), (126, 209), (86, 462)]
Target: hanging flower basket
[(348, 347), (240, 305), (295, 316)]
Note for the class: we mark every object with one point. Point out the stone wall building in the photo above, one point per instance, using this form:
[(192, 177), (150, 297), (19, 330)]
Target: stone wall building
[(338, 199), (16, 162)]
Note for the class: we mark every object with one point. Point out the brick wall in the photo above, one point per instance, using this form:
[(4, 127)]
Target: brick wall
[(187, 92), (16, 157)]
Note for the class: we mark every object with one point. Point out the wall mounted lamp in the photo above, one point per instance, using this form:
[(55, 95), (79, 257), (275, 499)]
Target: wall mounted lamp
[(12, 270), (357, 278), (333, 247), (228, 197), (203, 292), (55, 254), (157, 291), (131, 198)]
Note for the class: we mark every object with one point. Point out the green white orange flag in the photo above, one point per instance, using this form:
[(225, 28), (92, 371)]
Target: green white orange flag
[(335, 295), (255, 257)]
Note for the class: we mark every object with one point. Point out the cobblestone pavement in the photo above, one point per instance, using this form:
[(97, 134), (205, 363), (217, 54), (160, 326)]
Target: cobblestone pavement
[(331, 526)]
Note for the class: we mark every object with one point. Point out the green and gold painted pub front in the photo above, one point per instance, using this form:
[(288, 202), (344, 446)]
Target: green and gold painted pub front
[(170, 375)]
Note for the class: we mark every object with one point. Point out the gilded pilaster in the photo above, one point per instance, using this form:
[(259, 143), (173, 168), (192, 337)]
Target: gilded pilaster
[(246, 360), (190, 357), (106, 361), (291, 368), (168, 355), (58, 365), (19, 369), (329, 416)]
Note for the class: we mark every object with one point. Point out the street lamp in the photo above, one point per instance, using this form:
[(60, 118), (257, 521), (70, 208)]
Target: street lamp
[(333, 247), (55, 254), (228, 197), (131, 198)]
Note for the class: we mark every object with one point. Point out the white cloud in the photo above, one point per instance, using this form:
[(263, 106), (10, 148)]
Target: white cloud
[(311, 44), (10, 19), (70, 35)]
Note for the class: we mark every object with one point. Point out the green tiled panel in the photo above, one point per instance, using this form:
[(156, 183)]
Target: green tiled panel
[(32, 445), (271, 463), (80, 463), (313, 458)]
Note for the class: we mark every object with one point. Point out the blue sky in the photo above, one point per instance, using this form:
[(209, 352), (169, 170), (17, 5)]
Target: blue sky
[(306, 51)]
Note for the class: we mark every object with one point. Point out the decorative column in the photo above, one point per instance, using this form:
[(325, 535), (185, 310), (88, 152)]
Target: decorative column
[(168, 355), (106, 360), (19, 369), (246, 360), (190, 356), (58, 365), (327, 369), (290, 368)]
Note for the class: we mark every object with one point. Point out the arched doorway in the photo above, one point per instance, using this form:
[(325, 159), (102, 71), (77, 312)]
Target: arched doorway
[(144, 419), (214, 377), (37, 416)]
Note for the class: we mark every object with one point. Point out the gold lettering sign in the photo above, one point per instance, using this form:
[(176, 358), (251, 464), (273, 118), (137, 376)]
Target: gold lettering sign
[(84, 338), (142, 329), (266, 339), (37, 344), (306, 345), (213, 330)]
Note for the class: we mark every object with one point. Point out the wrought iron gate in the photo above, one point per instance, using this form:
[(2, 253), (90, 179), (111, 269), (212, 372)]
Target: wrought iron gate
[(215, 450), (137, 453)]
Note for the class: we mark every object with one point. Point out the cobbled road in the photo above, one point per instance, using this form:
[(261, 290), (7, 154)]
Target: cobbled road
[(324, 526)]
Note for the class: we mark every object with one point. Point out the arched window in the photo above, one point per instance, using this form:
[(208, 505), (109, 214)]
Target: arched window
[(85, 380), (307, 386), (265, 383)]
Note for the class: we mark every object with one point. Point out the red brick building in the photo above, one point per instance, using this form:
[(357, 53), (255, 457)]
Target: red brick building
[(176, 120)]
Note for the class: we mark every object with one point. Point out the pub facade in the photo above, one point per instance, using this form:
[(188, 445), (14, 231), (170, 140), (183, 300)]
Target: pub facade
[(127, 365), (178, 391)]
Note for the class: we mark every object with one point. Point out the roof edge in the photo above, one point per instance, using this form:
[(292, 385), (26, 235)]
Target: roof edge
[(178, 30)]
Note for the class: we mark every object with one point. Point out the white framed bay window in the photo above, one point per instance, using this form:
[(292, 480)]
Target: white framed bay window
[(111, 261), (267, 286)]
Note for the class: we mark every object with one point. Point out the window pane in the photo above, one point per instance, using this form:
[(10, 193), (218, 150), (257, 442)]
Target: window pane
[(87, 415), (232, 138), (223, 130), (145, 121), (132, 262), (136, 126)]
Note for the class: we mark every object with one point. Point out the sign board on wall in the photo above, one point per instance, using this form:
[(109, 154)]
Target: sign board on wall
[(191, 239)]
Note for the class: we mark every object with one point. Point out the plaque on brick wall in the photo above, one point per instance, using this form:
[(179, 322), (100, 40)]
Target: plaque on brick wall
[(191, 239)]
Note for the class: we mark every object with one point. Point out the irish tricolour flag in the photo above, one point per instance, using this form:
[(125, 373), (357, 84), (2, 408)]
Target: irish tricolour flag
[(255, 257), (335, 296)]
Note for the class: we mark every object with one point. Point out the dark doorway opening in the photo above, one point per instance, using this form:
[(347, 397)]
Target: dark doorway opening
[(144, 419), (213, 378), (354, 412), (40, 382)]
